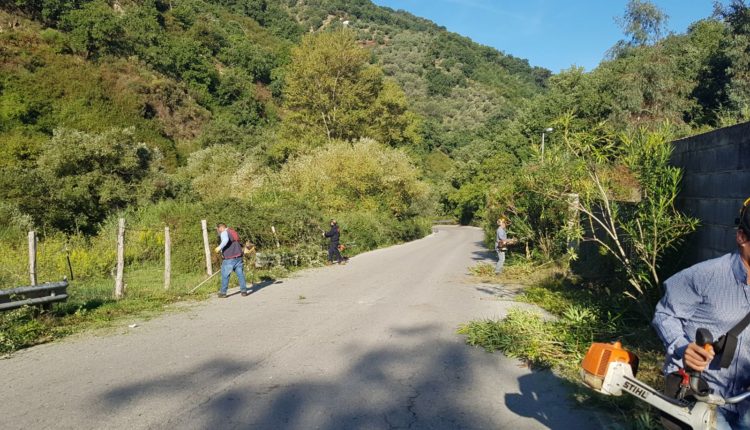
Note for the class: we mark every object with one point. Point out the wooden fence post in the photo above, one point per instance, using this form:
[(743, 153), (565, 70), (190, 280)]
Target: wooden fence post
[(209, 269), (119, 287), (70, 266), (167, 259), (273, 229), (32, 257)]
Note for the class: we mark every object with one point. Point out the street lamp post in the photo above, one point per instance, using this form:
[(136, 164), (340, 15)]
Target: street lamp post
[(546, 130)]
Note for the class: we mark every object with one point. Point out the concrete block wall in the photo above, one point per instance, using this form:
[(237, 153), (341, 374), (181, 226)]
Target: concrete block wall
[(716, 180)]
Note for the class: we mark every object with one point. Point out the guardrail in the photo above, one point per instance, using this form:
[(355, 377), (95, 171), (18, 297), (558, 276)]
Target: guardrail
[(43, 294)]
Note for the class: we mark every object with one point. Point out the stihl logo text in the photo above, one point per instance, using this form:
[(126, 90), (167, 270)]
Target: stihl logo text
[(635, 390)]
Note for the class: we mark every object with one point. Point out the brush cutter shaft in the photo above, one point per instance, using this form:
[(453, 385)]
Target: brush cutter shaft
[(737, 398), (697, 415), (609, 370)]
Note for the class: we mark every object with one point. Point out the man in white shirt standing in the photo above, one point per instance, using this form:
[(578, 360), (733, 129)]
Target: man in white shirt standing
[(501, 243)]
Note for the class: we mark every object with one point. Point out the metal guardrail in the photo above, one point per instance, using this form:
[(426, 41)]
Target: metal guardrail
[(43, 294)]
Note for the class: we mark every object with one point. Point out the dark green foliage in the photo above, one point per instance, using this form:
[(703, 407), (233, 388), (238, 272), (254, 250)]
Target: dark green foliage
[(48, 11), (19, 328), (95, 29), (737, 51), (439, 83), (143, 26), (188, 60), (238, 105), (208, 31), (270, 14), (86, 177), (251, 58)]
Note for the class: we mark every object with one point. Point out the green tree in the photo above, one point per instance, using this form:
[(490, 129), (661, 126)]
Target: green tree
[(737, 16), (94, 29), (439, 83), (390, 121), (48, 11), (643, 22), (142, 26), (330, 87), (85, 177), (706, 55), (186, 59), (271, 14), (251, 57)]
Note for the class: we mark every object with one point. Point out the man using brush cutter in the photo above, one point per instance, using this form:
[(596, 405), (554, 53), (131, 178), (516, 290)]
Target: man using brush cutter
[(333, 249), (712, 295), (501, 243), (231, 249)]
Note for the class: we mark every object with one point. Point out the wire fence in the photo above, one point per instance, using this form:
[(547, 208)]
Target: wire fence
[(132, 249)]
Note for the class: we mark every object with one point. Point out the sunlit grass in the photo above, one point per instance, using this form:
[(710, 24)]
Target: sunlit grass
[(91, 305)]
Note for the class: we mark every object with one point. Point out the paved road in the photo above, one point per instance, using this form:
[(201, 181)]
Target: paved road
[(369, 345)]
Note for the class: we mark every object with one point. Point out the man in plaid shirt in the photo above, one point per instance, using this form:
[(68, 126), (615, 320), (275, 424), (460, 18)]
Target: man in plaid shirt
[(715, 295)]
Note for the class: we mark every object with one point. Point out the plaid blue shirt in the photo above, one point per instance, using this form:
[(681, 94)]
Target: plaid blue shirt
[(500, 234), (714, 295)]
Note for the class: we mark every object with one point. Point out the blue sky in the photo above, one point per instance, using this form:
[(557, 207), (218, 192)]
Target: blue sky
[(549, 33)]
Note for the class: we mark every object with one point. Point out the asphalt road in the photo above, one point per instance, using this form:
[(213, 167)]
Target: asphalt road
[(368, 345)]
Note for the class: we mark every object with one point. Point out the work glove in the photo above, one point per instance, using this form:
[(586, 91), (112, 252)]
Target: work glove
[(217, 249)]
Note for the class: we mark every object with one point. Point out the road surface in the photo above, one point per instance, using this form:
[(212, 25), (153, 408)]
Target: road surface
[(368, 345)]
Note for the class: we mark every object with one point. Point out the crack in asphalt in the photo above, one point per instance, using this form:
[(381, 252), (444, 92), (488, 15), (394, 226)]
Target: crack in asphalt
[(411, 404)]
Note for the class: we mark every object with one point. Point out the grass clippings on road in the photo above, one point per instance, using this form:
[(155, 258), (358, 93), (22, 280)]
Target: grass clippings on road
[(583, 314)]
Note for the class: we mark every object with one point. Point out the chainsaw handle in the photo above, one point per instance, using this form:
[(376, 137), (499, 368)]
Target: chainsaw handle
[(704, 339)]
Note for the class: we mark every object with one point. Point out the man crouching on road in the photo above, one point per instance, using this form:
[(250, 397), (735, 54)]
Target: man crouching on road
[(231, 249), (715, 295)]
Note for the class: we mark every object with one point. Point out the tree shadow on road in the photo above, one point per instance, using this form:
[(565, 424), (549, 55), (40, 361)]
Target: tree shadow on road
[(500, 291), (427, 384), (540, 399), (483, 254)]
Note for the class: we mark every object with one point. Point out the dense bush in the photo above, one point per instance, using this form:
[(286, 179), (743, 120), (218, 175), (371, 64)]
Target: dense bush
[(363, 175), (80, 178)]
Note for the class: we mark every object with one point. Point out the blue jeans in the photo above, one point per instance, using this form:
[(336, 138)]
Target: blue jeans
[(333, 251), (500, 261), (726, 420), (229, 266)]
